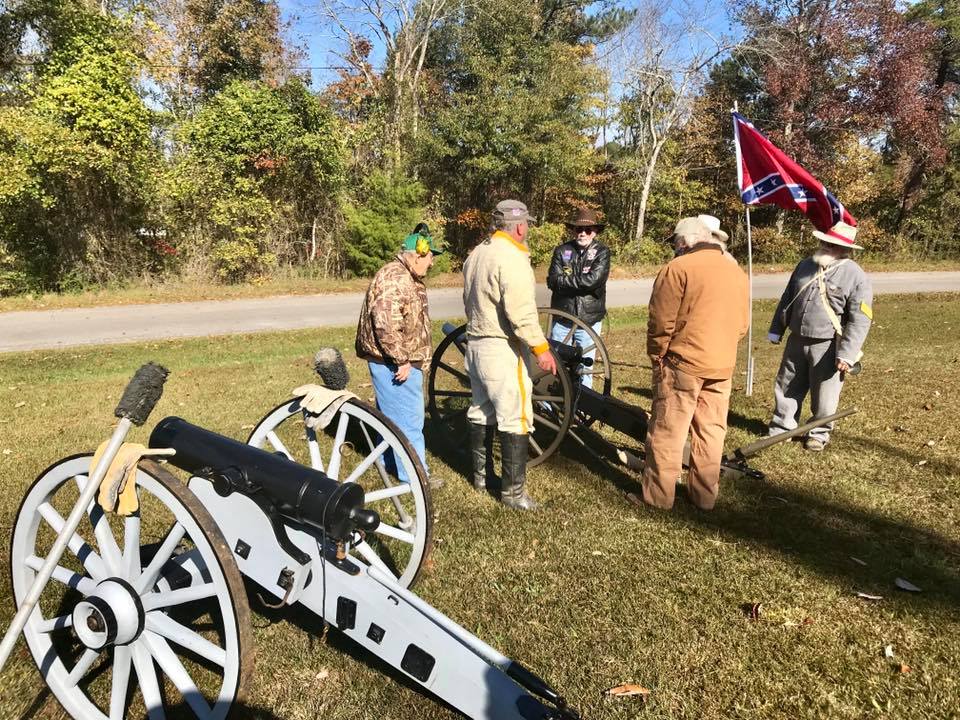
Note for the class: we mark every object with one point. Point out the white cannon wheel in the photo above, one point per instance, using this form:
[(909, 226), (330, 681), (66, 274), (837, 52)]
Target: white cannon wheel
[(191, 653), (352, 448)]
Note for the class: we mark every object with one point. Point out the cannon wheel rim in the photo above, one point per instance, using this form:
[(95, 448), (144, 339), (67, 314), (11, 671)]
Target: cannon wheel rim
[(369, 416), (559, 424), (598, 344), (225, 579)]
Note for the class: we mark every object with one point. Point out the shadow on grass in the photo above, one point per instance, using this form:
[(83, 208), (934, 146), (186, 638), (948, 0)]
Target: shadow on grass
[(312, 624), (873, 445), (178, 711), (819, 534), (824, 537)]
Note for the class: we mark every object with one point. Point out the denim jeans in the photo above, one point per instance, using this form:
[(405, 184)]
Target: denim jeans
[(403, 404), (580, 339)]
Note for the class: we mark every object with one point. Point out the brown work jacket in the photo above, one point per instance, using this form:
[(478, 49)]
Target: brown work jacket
[(699, 310)]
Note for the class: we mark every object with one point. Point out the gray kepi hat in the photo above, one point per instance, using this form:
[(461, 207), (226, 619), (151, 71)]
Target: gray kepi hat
[(511, 211)]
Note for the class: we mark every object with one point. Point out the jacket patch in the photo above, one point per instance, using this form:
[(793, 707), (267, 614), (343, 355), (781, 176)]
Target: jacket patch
[(866, 310), (567, 254), (586, 269), (591, 253)]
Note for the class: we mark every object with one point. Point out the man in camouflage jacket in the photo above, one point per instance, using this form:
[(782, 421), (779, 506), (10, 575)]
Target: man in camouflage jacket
[(393, 336)]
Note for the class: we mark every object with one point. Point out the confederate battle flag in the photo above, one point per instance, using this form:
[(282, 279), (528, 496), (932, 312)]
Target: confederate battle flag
[(769, 177)]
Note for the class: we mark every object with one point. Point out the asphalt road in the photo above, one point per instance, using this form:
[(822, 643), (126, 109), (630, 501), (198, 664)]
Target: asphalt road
[(37, 330)]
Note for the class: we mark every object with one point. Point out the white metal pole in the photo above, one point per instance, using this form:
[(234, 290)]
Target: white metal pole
[(60, 544), (748, 389)]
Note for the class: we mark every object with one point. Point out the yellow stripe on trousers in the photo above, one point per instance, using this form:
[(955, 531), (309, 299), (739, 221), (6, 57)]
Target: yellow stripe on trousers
[(523, 396)]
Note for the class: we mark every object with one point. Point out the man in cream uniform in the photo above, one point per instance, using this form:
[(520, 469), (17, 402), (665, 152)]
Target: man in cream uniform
[(827, 306), (503, 330)]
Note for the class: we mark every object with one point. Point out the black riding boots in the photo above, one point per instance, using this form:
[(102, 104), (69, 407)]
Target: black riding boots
[(481, 446), (513, 452)]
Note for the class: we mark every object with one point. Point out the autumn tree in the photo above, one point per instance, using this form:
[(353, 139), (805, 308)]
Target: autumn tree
[(197, 47), (662, 70)]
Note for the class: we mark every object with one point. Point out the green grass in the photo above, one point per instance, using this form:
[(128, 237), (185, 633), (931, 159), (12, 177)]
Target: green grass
[(591, 591)]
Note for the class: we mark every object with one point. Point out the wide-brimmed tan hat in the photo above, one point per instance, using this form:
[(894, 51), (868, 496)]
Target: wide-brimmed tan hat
[(713, 224), (585, 217), (689, 227), (840, 234)]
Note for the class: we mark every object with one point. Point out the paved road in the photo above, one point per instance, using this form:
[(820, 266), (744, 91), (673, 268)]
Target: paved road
[(130, 323)]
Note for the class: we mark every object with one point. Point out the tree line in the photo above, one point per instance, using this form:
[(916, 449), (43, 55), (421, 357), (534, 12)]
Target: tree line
[(184, 137)]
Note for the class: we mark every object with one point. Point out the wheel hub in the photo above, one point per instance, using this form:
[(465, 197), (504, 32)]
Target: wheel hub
[(111, 615)]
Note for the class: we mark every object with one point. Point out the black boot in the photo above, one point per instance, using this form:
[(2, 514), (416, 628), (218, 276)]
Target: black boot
[(513, 451), (481, 446)]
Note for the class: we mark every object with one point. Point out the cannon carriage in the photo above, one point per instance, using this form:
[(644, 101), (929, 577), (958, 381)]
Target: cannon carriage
[(565, 407), (143, 612)]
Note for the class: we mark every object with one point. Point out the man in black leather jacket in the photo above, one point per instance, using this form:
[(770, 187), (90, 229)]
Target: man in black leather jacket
[(578, 278)]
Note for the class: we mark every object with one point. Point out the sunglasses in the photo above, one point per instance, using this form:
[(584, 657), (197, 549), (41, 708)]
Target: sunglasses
[(587, 230)]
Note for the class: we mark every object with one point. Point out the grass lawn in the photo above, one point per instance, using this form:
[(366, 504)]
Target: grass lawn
[(294, 283), (592, 592)]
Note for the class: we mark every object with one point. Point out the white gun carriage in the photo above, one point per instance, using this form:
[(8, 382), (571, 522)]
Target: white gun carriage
[(149, 615)]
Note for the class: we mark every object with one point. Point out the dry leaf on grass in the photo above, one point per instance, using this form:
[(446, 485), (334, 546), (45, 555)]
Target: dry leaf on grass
[(322, 675), (927, 406), (752, 610), (858, 561), (868, 596), (628, 689), (903, 668), (906, 585), (20, 404), (888, 652)]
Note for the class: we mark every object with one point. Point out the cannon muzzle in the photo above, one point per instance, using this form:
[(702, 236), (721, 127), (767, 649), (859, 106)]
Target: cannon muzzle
[(296, 492)]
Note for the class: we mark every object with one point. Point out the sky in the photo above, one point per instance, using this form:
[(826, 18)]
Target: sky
[(307, 30)]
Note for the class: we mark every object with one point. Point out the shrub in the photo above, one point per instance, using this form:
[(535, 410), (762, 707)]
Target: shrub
[(770, 247), (392, 206), (260, 167), (542, 241)]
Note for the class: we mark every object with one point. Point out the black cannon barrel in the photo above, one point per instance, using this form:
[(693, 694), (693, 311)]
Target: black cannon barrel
[(297, 492)]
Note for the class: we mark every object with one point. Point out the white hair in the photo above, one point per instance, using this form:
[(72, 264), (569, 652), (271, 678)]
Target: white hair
[(688, 240), (508, 226)]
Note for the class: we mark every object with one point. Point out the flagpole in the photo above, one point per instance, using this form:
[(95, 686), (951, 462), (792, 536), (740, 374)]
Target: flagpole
[(748, 386), (748, 389)]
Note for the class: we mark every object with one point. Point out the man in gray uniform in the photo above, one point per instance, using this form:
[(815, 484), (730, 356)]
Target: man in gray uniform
[(828, 308)]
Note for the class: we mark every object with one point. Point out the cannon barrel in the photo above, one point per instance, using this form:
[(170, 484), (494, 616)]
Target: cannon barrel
[(297, 492), (742, 453)]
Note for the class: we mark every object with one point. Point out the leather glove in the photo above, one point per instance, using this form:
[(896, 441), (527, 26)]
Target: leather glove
[(118, 489), (313, 398)]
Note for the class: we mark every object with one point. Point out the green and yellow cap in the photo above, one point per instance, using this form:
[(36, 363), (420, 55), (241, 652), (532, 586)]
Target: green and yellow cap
[(421, 242)]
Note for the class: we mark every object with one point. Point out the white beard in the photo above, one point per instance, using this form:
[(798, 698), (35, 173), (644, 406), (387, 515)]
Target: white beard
[(823, 258), (583, 243)]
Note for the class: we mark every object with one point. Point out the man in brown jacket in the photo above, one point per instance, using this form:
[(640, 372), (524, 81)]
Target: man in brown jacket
[(393, 336), (698, 313)]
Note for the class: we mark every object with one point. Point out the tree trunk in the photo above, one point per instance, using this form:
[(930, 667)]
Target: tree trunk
[(908, 197), (645, 191), (313, 240)]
